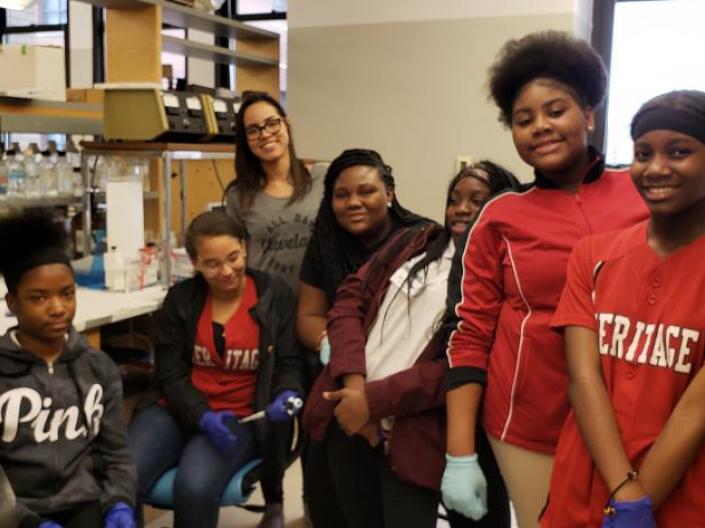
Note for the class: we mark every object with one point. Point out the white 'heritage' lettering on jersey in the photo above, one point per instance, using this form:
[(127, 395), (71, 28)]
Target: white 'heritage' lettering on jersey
[(660, 345), (202, 357), (234, 359), (47, 423)]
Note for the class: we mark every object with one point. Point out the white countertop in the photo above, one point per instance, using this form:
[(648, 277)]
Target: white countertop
[(96, 308)]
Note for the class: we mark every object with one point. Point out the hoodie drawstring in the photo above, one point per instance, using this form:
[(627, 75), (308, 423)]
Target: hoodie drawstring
[(81, 397)]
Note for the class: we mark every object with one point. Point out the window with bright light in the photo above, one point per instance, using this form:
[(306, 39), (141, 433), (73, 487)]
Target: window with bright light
[(43, 12), (177, 61), (657, 46), (261, 7)]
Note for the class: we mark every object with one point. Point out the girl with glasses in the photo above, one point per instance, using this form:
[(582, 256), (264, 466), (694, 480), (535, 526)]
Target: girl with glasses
[(507, 367), (225, 349), (274, 192)]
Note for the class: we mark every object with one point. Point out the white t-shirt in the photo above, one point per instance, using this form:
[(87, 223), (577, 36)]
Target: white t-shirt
[(408, 318)]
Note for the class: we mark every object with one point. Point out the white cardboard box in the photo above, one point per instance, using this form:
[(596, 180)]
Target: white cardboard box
[(36, 72)]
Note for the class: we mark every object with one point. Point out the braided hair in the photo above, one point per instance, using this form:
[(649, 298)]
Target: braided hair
[(30, 238), (496, 177), (332, 248)]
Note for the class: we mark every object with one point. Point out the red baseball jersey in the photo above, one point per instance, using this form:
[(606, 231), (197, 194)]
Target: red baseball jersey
[(228, 381), (649, 315), (514, 266)]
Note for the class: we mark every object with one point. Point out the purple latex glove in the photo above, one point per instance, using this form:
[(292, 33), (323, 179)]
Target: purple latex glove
[(214, 426), (49, 524), (120, 516), (631, 514), (285, 406)]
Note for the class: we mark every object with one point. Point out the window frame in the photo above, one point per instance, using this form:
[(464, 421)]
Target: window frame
[(42, 28), (601, 38)]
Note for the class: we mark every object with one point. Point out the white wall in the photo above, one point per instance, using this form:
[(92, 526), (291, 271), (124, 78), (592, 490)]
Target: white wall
[(407, 78)]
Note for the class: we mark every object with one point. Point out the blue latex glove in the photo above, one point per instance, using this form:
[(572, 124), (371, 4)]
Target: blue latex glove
[(285, 406), (631, 514), (213, 424), (324, 352), (49, 524), (464, 488), (120, 516)]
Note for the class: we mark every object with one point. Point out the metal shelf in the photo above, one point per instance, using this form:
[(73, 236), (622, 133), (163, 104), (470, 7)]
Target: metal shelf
[(46, 201), (188, 17), (147, 195), (21, 115), (198, 50)]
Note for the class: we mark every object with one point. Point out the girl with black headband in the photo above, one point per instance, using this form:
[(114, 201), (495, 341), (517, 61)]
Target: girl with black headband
[(631, 454), (63, 440), (358, 213), (507, 368)]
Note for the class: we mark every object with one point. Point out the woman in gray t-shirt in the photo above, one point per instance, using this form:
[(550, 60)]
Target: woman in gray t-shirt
[(274, 192)]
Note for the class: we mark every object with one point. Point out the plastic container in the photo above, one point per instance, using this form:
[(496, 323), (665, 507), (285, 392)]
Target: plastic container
[(3, 179), (16, 184), (47, 176), (64, 175), (31, 169), (115, 270)]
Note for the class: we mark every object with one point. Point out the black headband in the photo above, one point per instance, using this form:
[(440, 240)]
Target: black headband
[(49, 255), (662, 118)]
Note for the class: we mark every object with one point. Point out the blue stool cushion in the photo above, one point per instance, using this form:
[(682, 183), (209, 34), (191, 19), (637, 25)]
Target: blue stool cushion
[(162, 493)]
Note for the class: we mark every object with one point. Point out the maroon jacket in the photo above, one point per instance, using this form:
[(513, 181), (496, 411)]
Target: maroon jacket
[(416, 396)]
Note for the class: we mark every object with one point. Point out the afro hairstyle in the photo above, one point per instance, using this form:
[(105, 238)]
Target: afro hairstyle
[(29, 238), (552, 55)]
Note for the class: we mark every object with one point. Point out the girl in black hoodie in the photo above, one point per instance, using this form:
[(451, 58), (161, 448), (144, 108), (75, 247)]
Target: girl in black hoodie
[(62, 436)]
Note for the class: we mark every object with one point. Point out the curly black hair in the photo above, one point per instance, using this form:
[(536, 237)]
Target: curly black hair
[(332, 248), (30, 238), (547, 54)]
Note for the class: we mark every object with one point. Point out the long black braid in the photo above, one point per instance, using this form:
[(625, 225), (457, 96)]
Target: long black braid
[(335, 250)]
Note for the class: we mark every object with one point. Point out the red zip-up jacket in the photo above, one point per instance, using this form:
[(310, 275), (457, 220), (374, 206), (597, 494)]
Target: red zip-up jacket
[(513, 270), (415, 396)]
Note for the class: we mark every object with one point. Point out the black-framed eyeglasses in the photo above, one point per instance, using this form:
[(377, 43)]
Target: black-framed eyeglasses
[(271, 125)]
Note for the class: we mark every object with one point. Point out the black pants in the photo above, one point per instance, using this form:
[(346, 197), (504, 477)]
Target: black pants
[(274, 454), (341, 467), (321, 498), (498, 510), (369, 493), (85, 516)]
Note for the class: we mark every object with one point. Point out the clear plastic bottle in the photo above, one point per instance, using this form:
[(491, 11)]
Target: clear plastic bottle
[(47, 175), (16, 186), (102, 173), (31, 169), (3, 177), (64, 175)]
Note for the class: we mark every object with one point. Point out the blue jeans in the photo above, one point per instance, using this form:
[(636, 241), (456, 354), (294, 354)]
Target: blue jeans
[(158, 442)]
